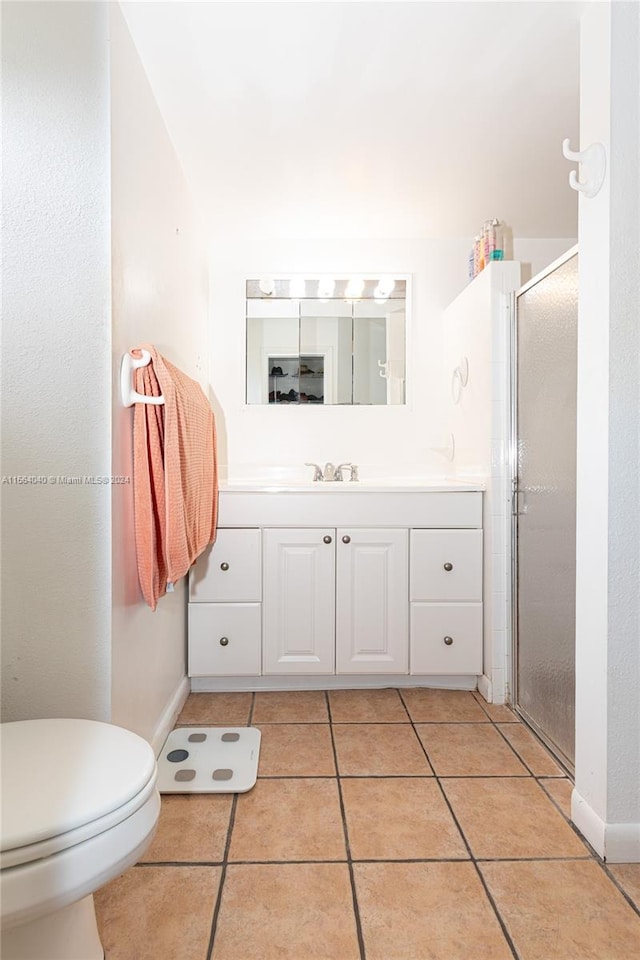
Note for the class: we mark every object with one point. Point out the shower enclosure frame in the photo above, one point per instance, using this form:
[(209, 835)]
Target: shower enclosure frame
[(515, 493)]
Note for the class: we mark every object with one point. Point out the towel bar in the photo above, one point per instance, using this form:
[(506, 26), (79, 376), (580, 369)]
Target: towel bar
[(128, 394)]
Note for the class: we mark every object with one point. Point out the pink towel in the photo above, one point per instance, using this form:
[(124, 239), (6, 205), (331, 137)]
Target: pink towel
[(175, 480)]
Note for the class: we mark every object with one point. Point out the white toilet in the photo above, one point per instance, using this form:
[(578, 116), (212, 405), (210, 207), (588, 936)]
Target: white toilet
[(79, 806)]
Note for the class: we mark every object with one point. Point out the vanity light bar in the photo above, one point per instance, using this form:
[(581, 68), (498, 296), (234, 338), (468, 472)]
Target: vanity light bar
[(326, 288)]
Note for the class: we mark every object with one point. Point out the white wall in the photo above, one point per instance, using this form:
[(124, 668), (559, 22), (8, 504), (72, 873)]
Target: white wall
[(160, 295), (476, 327), (56, 610), (387, 439), (606, 800)]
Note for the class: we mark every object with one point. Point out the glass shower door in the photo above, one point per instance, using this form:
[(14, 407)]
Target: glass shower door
[(544, 503)]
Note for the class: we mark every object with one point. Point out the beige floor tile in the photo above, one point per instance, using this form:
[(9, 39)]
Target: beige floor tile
[(289, 820), (227, 709), (563, 911), (379, 749), (296, 750), (628, 876), (367, 706), (153, 912), (286, 912), (292, 706), (530, 750), (511, 818), (443, 706), (438, 911), (469, 749), (560, 792), (399, 819), (191, 827), (498, 712)]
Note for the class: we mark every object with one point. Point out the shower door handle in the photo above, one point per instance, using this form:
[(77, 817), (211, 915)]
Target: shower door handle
[(518, 502)]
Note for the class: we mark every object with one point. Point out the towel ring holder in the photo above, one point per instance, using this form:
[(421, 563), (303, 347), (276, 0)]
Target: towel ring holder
[(128, 394)]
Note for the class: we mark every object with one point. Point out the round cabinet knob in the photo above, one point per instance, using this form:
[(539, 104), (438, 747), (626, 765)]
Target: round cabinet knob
[(327, 539), (224, 566), (224, 641), (448, 567), (346, 539), (448, 641)]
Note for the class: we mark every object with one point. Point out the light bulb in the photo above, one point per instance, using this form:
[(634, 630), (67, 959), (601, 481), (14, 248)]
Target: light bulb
[(326, 286), (267, 286), (297, 288), (354, 288), (386, 286)]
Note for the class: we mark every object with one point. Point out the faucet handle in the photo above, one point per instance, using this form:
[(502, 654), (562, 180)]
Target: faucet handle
[(329, 471), (352, 468), (317, 471)]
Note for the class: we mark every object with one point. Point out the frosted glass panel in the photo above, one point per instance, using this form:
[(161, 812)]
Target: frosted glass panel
[(547, 316)]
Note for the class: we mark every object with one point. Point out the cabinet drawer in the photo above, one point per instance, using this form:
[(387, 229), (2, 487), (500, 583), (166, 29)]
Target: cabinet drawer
[(230, 570), (446, 565), (431, 623), (239, 625)]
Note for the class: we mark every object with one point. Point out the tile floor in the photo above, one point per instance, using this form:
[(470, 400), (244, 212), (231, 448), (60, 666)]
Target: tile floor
[(385, 825)]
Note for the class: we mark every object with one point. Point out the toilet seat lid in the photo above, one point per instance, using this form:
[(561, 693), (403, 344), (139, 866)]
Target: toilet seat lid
[(59, 775)]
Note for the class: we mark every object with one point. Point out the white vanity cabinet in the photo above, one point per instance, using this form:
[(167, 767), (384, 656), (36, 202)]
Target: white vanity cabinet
[(446, 601), (335, 600), (225, 610), (339, 583)]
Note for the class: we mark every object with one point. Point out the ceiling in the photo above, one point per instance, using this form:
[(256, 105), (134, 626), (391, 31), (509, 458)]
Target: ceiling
[(369, 119)]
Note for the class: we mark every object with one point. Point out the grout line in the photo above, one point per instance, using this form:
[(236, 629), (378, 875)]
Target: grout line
[(503, 925), (351, 776), (509, 744), (223, 876), (179, 863), (235, 863), (607, 869), (352, 879)]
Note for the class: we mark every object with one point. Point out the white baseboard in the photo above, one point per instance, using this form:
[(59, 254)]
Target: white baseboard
[(168, 719), (614, 842), (622, 843), (355, 682), (485, 689)]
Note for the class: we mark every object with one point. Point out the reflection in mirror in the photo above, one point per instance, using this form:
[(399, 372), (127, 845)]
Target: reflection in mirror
[(344, 347)]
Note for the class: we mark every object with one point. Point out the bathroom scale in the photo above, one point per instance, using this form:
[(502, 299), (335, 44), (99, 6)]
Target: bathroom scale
[(209, 760)]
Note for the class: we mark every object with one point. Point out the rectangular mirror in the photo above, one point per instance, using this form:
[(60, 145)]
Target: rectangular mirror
[(326, 341)]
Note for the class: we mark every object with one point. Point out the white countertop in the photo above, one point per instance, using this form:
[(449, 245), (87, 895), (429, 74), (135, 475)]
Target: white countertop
[(377, 485)]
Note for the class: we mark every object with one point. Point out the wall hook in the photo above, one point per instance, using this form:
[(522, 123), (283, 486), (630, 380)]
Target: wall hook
[(594, 165), (448, 450), (459, 379), (384, 368), (128, 394)]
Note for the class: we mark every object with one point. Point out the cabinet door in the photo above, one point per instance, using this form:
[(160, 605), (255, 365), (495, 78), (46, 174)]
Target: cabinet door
[(299, 601), (372, 601), (229, 570), (224, 639), (446, 638)]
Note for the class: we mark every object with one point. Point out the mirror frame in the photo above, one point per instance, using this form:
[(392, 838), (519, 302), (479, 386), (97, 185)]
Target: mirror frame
[(279, 289)]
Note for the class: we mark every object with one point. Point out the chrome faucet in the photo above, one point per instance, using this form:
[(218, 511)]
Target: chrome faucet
[(353, 471), (317, 471), (332, 473)]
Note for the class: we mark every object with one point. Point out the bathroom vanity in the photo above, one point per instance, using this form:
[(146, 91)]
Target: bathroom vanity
[(339, 584)]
